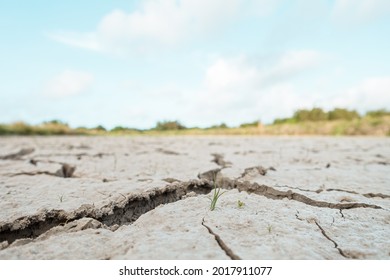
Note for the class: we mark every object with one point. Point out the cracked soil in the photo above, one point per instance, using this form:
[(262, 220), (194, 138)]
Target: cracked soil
[(149, 198)]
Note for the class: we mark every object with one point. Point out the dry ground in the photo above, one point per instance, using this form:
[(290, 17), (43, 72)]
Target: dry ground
[(149, 197)]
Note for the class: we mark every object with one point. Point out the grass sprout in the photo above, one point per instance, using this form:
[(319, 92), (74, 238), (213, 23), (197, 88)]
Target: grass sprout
[(216, 195), (240, 204)]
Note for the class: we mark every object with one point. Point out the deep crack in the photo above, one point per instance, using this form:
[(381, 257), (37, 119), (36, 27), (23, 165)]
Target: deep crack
[(121, 212), (221, 244), (126, 210)]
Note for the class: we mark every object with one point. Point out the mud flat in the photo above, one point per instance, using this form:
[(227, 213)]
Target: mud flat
[(149, 198)]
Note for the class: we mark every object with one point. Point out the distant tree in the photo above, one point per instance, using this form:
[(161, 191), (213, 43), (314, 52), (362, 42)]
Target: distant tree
[(169, 125), (100, 128), (222, 125), (56, 122), (22, 128), (252, 124), (285, 120), (343, 114), (3, 130), (119, 128), (378, 113), (315, 114)]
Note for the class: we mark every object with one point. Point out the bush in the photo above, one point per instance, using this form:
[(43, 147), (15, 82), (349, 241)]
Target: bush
[(219, 126), (55, 122), (315, 114), (252, 124), (343, 114), (169, 125), (52, 128), (21, 128), (284, 121), (3, 130), (378, 113), (100, 128)]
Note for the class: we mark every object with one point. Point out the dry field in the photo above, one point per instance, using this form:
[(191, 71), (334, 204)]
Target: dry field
[(149, 197)]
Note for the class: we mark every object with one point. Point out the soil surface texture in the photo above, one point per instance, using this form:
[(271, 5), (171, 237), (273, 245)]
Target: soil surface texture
[(150, 197)]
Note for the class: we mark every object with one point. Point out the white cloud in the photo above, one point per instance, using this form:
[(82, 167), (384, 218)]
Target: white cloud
[(84, 41), (235, 78), (292, 63), (231, 93), (68, 83), (228, 74), (245, 88), (357, 11), (165, 22), (372, 93), (238, 89)]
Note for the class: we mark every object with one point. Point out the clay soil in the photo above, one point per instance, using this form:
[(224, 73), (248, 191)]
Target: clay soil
[(150, 197)]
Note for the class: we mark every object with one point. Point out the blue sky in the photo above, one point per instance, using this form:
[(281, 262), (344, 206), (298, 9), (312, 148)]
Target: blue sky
[(202, 62)]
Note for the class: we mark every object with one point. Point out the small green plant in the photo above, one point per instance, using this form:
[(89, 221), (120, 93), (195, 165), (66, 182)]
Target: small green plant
[(269, 228), (240, 204), (216, 195), (61, 198)]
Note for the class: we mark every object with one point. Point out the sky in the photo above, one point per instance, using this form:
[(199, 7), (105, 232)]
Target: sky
[(201, 62)]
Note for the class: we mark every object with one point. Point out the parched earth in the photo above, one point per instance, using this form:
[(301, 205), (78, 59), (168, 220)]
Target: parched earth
[(149, 198)]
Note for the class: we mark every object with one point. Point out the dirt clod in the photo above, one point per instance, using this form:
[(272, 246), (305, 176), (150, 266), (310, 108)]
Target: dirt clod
[(66, 171)]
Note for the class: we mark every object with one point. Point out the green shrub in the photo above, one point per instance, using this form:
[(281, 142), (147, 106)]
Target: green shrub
[(100, 128), (315, 114), (169, 125), (21, 128), (252, 124), (378, 113), (3, 130), (343, 114), (119, 129), (285, 121), (218, 126)]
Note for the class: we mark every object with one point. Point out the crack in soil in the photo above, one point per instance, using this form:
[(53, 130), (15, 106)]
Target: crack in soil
[(121, 212), (341, 213), (297, 216), (78, 155), (368, 195), (254, 170), (330, 239), (129, 208), (19, 155), (221, 244), (272, 193), (371, 195), (219, 160), (300, 189), (167, 152), (66, 171)]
